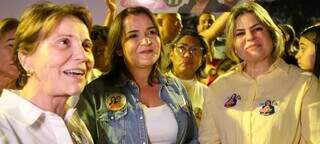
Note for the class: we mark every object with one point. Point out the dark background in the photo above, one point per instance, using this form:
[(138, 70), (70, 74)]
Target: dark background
[(297, 13)]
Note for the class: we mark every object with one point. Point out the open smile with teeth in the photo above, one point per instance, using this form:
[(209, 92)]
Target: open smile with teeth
[(74, 72)]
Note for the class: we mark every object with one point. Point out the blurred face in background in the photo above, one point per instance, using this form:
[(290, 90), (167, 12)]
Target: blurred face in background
[(170, 26), (186, 57), (98, 54), (7, 66), (205, 21), (306, 54)]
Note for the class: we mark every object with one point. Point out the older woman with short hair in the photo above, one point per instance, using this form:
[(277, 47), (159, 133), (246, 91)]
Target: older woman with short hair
[(53, 53)]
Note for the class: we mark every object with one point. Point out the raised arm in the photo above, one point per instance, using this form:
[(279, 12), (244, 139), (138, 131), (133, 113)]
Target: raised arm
[(216, 28), (110, 12)]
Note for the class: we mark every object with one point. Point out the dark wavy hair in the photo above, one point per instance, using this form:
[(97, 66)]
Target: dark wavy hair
[(115, 63), (312, 33), (8, 24), (203, 43)]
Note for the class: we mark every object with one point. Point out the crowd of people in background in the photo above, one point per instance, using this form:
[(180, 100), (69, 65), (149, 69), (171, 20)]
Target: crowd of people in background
[(161, 78)]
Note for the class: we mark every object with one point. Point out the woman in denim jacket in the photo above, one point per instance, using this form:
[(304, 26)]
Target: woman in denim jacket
[(133, 102)]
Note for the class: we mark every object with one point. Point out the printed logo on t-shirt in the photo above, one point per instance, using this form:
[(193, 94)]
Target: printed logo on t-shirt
[(232, 100), (267, 107)]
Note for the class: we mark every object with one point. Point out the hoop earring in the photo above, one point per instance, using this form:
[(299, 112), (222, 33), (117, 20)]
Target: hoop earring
[(29, 73)]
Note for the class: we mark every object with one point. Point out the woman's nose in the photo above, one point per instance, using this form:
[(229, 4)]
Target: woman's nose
[(146, 41), (249, 36)]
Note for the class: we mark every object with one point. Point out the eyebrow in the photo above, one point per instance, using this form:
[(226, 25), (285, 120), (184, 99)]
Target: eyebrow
[(303, 44), (10, 39), (134, 31), (66, 35)]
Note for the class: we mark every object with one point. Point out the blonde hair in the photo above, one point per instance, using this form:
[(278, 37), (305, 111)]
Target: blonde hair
[(263, 17)]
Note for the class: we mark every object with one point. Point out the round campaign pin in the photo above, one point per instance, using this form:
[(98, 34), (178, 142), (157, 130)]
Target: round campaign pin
[(116, 102)]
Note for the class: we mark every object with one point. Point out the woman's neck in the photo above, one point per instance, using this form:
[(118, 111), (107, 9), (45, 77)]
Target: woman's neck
[(184, 76), (55, 104), (140, 75), (255, 69)]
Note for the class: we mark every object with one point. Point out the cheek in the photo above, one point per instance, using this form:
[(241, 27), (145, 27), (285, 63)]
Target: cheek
[(157, 45), (5, 54), (92, 60), (311, 57), (128, 51), (238, 44)]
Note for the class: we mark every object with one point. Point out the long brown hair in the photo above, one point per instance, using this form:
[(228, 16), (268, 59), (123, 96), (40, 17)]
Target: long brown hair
[(115, 63)]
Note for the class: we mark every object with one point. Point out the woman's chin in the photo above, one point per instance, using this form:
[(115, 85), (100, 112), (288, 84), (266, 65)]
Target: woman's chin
[(75, 90)]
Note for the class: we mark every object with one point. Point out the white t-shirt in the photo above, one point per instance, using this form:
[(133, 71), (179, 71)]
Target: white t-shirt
[(161, 124), (196, 91)]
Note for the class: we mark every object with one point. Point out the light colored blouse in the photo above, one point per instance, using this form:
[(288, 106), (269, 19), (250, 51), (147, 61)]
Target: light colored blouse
[(281, 106), (23, 122)]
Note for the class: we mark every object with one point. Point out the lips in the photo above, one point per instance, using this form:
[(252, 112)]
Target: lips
[(75, 72), (146, 51), (251, 46)]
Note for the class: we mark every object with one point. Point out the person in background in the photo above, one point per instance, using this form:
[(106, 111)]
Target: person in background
[(290, 50), (204, 22), (200, 6), (224, 66), (133, 102), (308, 55), (187, 62), (99, 38), (8, 70), (232, 112), (110, 13), (170, 28), (170, 25), (53, 52)]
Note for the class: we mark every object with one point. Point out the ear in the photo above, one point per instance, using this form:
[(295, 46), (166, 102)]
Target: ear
[(25, 61)]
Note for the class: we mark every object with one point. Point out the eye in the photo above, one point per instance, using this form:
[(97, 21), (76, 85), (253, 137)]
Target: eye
[(257, 29), (210, 21), (10, 43), (240, 33), (152, 33), (132, 36), (64, 43), (87, 45)]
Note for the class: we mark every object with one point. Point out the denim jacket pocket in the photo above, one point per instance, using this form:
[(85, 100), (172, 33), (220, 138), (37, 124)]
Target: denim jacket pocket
[(114, 126)]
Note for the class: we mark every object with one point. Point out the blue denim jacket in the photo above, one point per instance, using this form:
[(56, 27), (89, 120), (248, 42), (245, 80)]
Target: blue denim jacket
[(127, 125)]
